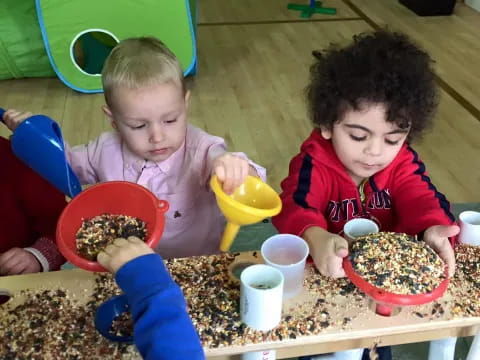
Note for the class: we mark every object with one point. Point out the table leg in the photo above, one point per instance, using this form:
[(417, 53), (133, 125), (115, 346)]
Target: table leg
[(442, 349), (474, 352)]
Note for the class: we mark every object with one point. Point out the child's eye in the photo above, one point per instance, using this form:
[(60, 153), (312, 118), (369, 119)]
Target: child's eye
[(358, 138), (390, 142), (138, 127), (171, 121)]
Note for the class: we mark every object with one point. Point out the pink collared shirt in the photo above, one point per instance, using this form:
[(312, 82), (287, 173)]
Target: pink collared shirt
[(194, 224)]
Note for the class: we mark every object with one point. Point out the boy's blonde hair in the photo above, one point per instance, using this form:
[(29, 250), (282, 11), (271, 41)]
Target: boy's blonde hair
[(140, 62)]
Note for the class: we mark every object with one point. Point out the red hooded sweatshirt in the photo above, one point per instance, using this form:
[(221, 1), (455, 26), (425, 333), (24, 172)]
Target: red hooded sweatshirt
[(29, 209), (319, 192)]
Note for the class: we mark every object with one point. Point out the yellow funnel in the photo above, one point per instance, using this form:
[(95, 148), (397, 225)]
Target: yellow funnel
[(250, 203)]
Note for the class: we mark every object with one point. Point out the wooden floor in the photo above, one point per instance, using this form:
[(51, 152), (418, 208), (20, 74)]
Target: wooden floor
[(253, 66)]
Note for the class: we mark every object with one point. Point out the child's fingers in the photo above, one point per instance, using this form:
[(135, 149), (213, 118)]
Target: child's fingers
[(7, 255), (220, 172), (111, 249), (13, 118), (103, 259), (120, 242), (244, 172), (229, 181), (238, 172), (446, 231), (448, 256), (335, 268), (12, 266), (340, 246), (135, 240)]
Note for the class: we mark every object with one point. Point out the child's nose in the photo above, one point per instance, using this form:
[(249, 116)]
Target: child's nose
[(156, 134), (374, 147)]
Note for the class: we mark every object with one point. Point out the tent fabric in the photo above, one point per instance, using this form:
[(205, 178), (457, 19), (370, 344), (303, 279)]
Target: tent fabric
[(62, 22), (22, 53)]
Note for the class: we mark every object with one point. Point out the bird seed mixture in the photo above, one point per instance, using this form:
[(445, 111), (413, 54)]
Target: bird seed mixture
[(52, 324), (122, 325), (466, 282), (397, 263), (97, 233), (213, 301)]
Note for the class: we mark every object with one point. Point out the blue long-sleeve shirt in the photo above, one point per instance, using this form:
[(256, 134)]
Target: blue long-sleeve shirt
[(162, 327)]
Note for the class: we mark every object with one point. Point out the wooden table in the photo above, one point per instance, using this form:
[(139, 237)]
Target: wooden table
[(342, 316)]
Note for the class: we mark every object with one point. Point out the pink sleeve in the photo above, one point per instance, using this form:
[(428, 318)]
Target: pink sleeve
[(210, 147), (83, 159), (47, 254)]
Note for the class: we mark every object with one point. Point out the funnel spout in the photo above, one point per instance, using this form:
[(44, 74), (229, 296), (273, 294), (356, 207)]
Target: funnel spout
[(231, 231)]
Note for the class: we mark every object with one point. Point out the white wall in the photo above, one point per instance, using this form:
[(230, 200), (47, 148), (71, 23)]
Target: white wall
[(473, 4)]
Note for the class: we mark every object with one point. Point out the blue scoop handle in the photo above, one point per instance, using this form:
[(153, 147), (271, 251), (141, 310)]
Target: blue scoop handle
[(38, 142)]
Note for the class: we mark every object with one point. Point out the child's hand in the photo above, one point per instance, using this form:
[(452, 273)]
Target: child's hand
[(18, 261), (231, 171), (437, 238), (327, 251), (13, 118), (114, 256)]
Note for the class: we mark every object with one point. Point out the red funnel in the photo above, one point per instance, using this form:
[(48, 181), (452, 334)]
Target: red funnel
[(114, 197)]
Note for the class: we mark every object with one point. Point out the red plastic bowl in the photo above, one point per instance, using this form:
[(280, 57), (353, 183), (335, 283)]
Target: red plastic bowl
[(385, 300), (114, 197)]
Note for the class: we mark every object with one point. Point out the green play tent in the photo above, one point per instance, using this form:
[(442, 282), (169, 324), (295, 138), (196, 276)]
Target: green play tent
[(62, 23), (45, 37), (22, 53)]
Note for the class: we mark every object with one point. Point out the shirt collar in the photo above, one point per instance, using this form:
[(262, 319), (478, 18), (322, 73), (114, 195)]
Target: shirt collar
[(131, 160)]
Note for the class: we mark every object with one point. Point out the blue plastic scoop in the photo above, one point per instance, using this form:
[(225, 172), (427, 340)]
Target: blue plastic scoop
[(107, 313), (38, 142)]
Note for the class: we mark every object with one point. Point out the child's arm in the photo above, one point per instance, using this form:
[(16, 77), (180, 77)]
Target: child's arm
[(420, 208), (327, 251), (162, 327), (213, 158), (42, 256), (42, 204), (304, 199), (417, 202), (79, 157), (82, 160), (16, 261)]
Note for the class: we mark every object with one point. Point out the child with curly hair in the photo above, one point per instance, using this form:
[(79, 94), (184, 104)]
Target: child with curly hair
[(367, 101)]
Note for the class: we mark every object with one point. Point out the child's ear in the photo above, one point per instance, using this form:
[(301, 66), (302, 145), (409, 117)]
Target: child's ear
[(326, 133), (108, 113)]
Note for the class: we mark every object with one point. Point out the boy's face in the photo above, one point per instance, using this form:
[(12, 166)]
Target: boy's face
[(365, 142), (151, 120)]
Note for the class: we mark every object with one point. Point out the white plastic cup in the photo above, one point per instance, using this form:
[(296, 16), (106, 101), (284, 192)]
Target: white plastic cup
[(260, 355), (261, 290), (469, 228), (287, 253), (355, 228)]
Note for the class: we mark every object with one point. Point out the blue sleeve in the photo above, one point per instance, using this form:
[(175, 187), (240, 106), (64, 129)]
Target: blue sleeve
[(162, 327)]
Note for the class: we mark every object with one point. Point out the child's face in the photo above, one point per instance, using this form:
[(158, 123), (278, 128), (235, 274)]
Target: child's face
[(365, 142), (151, 120)]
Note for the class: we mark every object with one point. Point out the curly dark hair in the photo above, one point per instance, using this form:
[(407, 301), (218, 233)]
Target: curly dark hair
[(377, 68)]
